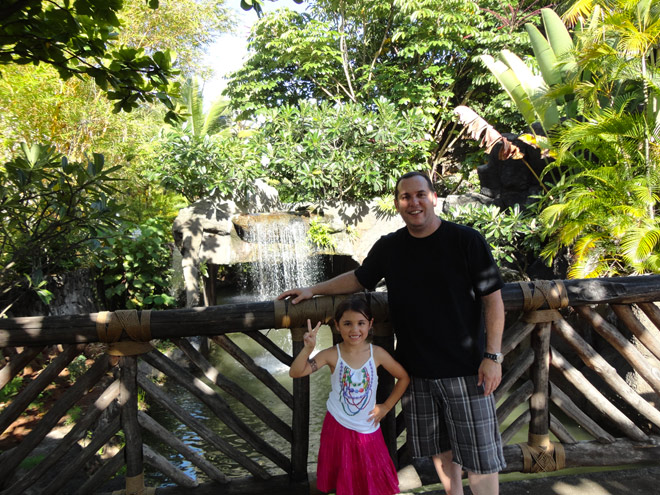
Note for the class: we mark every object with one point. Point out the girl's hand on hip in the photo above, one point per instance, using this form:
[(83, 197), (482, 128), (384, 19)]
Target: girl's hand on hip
[(378, 413)]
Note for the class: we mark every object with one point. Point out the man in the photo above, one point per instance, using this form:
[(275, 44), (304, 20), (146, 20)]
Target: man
[(443, 292)]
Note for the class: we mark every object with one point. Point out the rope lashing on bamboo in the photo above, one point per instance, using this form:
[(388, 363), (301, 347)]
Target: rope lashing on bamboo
[(110, 326), (540, 455), (550, 292), (135, 486), (289, 315)]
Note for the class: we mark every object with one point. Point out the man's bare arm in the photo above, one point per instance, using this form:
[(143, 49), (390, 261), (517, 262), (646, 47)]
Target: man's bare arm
[(490, 372), (346, 283), (494, 319)]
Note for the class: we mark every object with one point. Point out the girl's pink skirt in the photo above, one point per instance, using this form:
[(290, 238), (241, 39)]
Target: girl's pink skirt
[(353, 463)]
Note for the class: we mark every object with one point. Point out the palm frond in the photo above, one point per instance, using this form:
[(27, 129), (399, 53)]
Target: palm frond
[(579, 10), (217, 118), (640, 243), (192, 97), (551, 214), (590, 267)]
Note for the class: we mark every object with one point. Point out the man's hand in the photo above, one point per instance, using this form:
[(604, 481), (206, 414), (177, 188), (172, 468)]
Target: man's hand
[(490, 375), (300, 293)]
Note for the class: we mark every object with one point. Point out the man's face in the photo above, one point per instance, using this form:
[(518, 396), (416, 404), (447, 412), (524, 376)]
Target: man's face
[(415, 202)]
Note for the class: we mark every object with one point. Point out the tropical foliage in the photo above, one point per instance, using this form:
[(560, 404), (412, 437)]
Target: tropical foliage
[(184, 27), (603, 210), (309, 152), (332, 104), (54, 212), (419, 55), (74, 116), (134, 265), (77, 39), (324, 152), (190, 158)]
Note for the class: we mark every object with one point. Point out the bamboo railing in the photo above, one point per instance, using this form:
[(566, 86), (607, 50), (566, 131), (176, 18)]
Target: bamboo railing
[(566, 361)]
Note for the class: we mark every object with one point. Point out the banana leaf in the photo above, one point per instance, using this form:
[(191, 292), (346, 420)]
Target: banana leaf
[(534, 86), (512, 85), (558, 36), (545, 56), (560, 41)]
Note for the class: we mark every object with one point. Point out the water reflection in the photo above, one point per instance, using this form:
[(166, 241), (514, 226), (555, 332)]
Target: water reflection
[(319, 389)]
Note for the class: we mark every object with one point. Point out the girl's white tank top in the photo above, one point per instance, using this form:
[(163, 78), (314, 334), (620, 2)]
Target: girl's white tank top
[(353, 394)]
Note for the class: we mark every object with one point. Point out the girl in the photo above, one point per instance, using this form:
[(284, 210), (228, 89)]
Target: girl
[(353, 458)]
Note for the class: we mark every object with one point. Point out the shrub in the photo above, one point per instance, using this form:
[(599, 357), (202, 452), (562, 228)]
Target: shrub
[(136, 268), (513, 236)]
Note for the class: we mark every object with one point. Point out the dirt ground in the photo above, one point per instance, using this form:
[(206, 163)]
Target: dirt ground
[(638, 481)]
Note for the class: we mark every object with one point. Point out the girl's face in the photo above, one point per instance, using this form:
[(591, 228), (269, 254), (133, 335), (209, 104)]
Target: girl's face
[(354, 327)]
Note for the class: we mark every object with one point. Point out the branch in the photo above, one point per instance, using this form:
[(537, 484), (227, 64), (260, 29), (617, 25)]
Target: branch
[(382, 43), (344, 55), (326, 91)]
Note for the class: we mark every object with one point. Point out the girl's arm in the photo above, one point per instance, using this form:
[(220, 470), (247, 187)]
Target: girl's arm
[(384, 359), (302, 365)]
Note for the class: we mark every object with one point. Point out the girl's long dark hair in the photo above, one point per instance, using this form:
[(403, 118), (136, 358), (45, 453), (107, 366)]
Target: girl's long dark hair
[(353, 303)]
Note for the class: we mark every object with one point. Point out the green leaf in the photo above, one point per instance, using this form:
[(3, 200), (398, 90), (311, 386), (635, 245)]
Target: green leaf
[(560, 41), (545, 56), (512, 85), (558, 36)]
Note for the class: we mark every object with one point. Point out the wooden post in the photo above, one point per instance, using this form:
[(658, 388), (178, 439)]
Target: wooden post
[(540, 370), (128, 401), (209, 285), (300, 417), (209, 300)]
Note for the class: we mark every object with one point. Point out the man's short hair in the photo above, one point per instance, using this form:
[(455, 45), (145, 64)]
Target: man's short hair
[(408, 175)]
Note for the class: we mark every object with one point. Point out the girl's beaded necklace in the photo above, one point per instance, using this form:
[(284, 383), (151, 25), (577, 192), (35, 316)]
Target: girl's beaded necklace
[(355, 395)]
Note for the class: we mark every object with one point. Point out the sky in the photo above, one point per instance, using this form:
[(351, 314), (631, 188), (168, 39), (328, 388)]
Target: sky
[(228, 52)]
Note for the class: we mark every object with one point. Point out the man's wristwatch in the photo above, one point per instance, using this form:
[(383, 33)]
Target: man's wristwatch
[(498, 357)]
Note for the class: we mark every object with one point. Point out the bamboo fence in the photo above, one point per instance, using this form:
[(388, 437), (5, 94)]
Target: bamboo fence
[(584, 352)]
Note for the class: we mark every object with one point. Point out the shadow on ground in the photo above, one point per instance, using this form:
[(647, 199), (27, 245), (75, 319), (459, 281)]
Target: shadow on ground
[(638, 481)]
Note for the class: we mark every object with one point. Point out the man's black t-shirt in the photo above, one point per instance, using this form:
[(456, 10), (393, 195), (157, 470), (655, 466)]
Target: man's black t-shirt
[(434, 286)]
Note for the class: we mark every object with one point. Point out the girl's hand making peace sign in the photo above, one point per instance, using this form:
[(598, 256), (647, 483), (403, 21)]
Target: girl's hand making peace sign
[(302, 365), (309, 339)]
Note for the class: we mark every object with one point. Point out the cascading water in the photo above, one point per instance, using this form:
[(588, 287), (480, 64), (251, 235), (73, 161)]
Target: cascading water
[(284, 256)]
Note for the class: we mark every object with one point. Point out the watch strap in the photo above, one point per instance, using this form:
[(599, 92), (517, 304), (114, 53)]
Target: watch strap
[(497, 357)]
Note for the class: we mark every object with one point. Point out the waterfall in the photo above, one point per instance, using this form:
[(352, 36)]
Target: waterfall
[(284, 255)]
